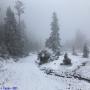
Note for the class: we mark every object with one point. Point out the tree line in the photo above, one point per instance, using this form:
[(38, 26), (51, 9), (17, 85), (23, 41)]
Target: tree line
[(13, 40)]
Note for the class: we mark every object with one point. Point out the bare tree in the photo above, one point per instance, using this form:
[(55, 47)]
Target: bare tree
[(20, 9)]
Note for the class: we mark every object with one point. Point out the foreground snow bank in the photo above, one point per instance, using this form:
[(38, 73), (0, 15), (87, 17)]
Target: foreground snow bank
[(79, 72), (26, 75)]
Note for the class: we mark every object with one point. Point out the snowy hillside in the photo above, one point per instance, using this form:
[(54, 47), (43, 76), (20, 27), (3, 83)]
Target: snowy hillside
[(27, 75)]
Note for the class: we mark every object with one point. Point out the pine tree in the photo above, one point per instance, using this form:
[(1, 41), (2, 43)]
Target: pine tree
[(19, 6), (13, 39), (24, 39), (10, 27), (85, 51), (53, 42)]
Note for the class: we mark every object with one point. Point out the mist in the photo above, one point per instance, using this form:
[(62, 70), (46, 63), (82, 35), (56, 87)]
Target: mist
[(72, 15)]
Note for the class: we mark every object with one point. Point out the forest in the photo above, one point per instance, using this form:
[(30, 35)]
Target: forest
[(38, 52)]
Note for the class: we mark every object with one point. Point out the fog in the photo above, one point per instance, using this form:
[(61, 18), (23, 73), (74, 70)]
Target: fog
[(73, 15)]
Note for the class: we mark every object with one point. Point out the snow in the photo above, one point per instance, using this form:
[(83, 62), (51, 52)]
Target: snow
[(27, 75), (55, 65), (84, 71)]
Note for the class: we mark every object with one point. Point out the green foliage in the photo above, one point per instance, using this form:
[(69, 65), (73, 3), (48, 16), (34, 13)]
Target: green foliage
[(44, 57), (14, 35), (66, 60), (53, 42), (13, 39)]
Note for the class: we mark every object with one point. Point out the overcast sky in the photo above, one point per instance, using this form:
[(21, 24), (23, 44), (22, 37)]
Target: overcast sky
[(72, 14)]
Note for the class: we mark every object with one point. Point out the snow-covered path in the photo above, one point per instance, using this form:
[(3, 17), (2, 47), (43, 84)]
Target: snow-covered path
[(25, 75)]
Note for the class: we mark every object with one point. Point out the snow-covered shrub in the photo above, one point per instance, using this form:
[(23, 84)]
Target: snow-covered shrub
[(66, 61), (43, 57)]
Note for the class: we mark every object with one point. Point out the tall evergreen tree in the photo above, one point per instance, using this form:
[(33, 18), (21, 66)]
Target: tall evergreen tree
[(24, 39), (53, 42), (19, 6), (10, 27), (13, 38)]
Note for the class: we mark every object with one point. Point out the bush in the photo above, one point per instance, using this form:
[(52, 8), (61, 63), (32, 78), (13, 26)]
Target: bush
[(66, 61), (43, 57)]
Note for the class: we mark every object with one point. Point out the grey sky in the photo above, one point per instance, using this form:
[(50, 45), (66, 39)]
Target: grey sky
[(72, 14)]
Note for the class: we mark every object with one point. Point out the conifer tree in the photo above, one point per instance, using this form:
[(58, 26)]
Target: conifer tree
[(13, 39), (19, 6), (85, 51), (53, 42)]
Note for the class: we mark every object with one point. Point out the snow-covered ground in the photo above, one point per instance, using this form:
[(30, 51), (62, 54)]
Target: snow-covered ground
[(27, 75)]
